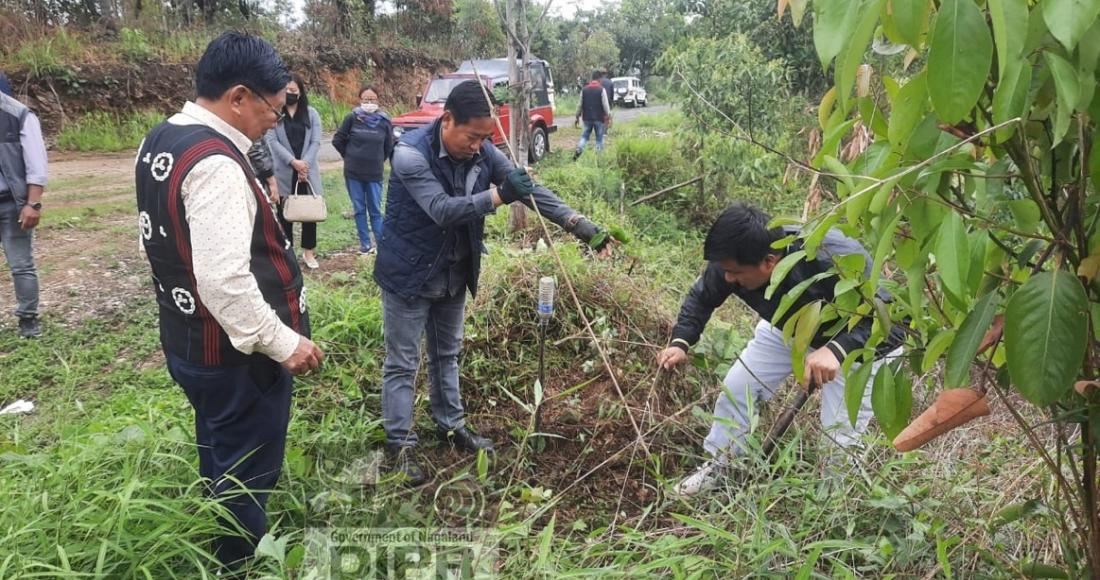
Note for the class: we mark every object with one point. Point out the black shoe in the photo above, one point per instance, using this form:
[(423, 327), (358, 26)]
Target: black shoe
[(29, 328), (577, 154), (403, 462), (465, 439)]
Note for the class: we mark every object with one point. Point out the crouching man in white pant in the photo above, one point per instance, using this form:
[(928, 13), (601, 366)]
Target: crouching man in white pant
[(740, 261)]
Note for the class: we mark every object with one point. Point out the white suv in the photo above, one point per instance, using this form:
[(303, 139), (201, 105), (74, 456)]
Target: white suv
[(628, 91)]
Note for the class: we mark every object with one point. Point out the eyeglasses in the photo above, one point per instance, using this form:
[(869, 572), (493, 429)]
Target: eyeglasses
[(279, 115)]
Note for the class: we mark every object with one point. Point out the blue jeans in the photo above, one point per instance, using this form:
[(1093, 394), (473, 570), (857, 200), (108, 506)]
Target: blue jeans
[(588, 127), (18, 251), (404, 322), (366, 198), (241, 418)]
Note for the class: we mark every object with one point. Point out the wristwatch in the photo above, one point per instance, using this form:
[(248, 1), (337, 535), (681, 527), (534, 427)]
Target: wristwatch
[(36, 206)]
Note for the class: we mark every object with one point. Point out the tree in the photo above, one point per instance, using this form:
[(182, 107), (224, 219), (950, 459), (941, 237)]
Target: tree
[(643, 29), (980, 190), (476, 24)]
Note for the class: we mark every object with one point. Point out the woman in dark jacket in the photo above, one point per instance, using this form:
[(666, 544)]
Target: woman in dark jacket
[(294, 144), (365, 141)]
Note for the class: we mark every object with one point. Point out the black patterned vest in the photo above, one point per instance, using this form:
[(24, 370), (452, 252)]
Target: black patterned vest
[(186, 327)]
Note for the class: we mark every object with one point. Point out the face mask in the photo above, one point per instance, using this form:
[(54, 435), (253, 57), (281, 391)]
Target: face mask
[(292, 98), (369, 107)]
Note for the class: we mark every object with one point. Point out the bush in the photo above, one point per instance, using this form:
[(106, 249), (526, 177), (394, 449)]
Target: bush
[(332, 112), (102, 131), (135, 45), (47, 56), (649, 164)]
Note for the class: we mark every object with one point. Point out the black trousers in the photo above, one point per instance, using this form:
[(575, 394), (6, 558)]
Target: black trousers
[(241, 417), (309, 230)]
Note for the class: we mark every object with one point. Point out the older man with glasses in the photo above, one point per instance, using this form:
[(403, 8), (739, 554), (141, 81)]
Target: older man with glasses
[(233, 319)]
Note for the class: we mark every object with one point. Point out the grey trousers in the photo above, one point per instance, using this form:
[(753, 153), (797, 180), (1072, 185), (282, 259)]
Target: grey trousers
[(756, 375), (439, 321), (18, 251)]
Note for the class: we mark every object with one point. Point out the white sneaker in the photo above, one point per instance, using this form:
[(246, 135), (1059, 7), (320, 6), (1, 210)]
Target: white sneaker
[(709, 476), (310, 261)]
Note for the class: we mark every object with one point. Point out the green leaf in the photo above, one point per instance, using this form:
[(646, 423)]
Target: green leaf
[(829, 143), (1041, 570), (844, 175), (794, 294), (798, 8), (910, 19), (779, 272), (809, 318), (908, 109), (1068, 20), (1015, 512), (1009, 30), (546, 540), (855, 46), (884, 400), (1065, 83), (953, 256), (934, 349), (482, 465), (1010, 96), (833, 23), (805, 572), (1046, 322), (969, 338), (855, 385), (960, 54), (813, 241), (295, 557), (1088, 53)]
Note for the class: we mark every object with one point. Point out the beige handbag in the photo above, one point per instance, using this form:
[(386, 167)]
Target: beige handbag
[(304, 208)]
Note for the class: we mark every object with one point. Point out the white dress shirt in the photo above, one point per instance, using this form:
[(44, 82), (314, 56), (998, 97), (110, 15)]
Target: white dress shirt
[(221, 214)]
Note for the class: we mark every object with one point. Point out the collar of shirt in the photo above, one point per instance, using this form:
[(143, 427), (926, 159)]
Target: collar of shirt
[(208, 118), (443, 149)]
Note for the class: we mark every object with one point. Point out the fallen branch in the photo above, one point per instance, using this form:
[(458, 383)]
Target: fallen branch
[(657, 194)]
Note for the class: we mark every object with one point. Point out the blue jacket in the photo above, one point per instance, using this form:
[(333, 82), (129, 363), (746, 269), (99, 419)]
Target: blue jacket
[(430, 197)]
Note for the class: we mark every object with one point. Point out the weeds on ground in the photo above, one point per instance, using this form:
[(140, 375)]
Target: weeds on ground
[(100, 131)]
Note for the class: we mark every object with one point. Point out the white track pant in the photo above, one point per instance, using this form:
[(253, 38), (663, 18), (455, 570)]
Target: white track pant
[(763, 366)]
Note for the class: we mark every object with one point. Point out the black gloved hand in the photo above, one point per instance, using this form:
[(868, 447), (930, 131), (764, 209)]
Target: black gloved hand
[(518, 185), (590, 234)]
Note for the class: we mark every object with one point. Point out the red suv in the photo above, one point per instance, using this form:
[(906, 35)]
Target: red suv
[(494, 73)]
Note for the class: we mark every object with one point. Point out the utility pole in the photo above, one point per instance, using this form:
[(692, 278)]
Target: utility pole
[(516, 17)]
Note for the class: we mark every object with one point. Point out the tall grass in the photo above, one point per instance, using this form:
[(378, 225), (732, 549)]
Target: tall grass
[(332, 112), (46, 55), (101, 131)]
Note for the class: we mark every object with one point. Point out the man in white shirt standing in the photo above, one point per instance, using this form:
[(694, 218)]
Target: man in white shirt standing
[(233, 318)]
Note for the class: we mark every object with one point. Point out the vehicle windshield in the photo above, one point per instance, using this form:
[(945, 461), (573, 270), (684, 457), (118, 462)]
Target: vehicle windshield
[(440, 89)]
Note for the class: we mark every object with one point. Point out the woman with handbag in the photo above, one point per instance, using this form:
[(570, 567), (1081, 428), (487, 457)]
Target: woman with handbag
[(295, 142), (365, 141)]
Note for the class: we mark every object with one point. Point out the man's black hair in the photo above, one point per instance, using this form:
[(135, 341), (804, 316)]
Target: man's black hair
[(467, 101), (741, 234), (237, 58), (597, 75)]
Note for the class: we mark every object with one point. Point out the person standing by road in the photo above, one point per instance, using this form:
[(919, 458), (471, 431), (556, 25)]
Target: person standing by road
[(22, 183), (365, 141), (595, 110), (295, 142)]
